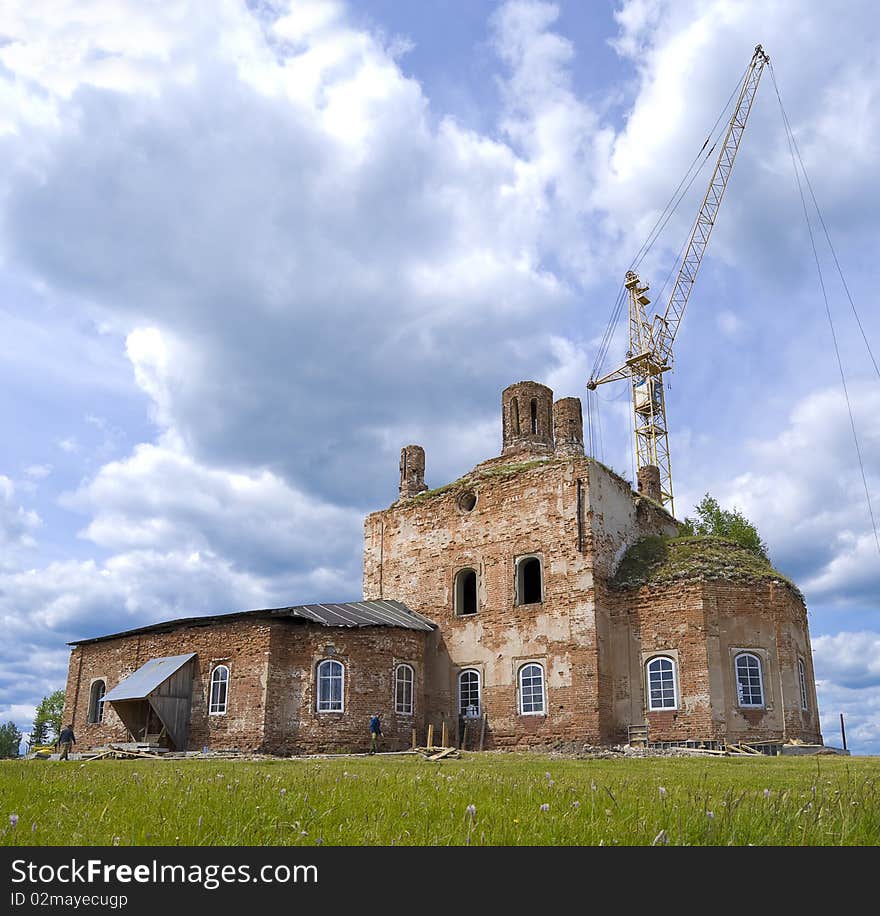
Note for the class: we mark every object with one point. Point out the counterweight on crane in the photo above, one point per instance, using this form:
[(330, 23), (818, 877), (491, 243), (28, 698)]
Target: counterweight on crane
[(650, 341)]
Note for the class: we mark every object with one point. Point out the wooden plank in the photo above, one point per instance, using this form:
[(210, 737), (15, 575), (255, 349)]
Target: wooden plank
[(444, 740), (444, 753), (431, 735)]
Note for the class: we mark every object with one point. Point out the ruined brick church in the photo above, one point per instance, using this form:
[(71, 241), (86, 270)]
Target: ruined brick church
[(536, 599)]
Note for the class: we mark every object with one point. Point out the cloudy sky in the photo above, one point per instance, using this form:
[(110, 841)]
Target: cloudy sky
[(250, 249)]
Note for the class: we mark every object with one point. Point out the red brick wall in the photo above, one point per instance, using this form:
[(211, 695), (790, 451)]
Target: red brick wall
[(369, 657), (242, 645), (702, 625), (414, 549), (272, 664)]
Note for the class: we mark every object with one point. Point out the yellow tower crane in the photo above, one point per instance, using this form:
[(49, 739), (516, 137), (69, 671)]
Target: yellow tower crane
[(650, 341)]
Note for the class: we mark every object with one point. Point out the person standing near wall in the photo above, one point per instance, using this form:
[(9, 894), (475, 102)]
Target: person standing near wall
[(375, 731), (65, 740)]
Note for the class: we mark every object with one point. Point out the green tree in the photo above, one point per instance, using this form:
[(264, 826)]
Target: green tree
[(39, 732), (711, 519), (47, 719), (10, 738)]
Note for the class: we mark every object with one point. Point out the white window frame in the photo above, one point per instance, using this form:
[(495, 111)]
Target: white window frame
[(458, 590), (521, 690), (650, 696), (96, 705), (328, 662), (802, 682), (479, 706), (215, 707), (400, 708), (739, 693), (518, 579)]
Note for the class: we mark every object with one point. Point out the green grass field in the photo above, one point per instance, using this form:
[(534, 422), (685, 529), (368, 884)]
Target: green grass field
[(488, 799)]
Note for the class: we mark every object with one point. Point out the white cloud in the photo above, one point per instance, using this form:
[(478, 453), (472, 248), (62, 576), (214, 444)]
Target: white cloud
[(17, 524), (38, 471), (851, 660)]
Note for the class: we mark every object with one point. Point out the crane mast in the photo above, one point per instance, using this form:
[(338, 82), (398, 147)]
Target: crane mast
[(650, 340)]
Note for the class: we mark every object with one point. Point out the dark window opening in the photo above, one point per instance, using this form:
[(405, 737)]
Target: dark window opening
[(466, 593), (467, 501), (530, 581), (533, 407)]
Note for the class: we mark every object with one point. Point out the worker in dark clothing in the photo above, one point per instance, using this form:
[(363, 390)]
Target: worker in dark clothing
[(65, 740), (375, 731)]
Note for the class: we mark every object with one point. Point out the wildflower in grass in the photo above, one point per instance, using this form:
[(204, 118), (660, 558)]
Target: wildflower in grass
[(766, 794), (116, 841), (662, 839), (710, 815), (592, 787), (662, 792), (545, 807), (13, 820), (282, 791), (471, 811), (575, 804)]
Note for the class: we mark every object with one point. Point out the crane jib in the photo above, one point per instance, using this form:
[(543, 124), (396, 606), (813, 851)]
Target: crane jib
[(650, 341)]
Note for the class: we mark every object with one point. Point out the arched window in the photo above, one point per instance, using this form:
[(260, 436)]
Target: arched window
[(404, 678), (469, 693), (465, 592), (661, 683), (219, 691), (531, 690), (330, 686), (533, 416), (802, 680), (749, 680), (529, 588), (96, 702)]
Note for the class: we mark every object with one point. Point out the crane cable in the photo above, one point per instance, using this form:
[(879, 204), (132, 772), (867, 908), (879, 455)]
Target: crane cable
[(795, 160), (660, 224)]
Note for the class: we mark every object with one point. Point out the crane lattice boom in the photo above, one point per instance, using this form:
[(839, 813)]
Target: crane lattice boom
[(650, 341)]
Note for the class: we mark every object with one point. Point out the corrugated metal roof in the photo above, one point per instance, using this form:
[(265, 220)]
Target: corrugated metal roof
[(140, 684), (350, 614), (361, 614)]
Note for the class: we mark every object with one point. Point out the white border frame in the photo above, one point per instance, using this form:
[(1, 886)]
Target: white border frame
[(675, 693), (318, 666), (519, 689), (479, 690), (760, 661), (412, 671), (211, 691)]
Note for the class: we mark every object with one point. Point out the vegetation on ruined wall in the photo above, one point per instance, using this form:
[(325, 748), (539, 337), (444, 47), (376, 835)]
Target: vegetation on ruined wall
[(489, 799), (658, 560)]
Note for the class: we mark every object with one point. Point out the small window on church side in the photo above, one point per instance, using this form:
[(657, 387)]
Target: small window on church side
[(529, 587), (404, 678), (469, 693), (96, 702), (533, 408), (465, 592), (331, 676), (219, 691)]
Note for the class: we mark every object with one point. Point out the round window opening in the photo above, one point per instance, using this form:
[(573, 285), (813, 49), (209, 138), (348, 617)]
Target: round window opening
[(467, 501)]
